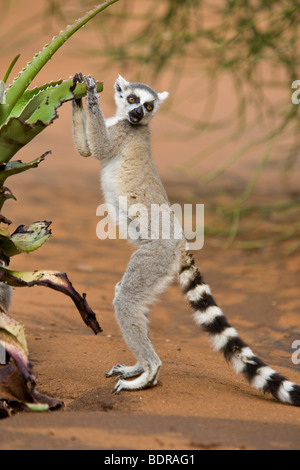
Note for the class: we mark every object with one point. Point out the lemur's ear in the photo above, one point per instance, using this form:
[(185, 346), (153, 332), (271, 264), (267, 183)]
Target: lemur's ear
[(163, 96), (121, 83)]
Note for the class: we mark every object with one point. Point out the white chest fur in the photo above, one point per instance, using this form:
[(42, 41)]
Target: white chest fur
[(115, 201), (109, 181)]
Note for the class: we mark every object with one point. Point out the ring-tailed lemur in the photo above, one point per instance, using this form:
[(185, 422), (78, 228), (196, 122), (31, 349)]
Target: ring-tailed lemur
[(123, 145)]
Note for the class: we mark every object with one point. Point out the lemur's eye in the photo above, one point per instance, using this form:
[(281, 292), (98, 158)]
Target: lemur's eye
[(149, 106), (131, 99)]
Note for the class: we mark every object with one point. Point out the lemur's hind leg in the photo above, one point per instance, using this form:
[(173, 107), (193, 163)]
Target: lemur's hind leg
[(151, 269), (126, 372)]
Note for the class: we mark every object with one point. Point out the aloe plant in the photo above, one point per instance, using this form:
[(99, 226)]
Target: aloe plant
[(24, 113)]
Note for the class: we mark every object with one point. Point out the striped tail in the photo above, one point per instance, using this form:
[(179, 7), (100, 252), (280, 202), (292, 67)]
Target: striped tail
[(226, 339)]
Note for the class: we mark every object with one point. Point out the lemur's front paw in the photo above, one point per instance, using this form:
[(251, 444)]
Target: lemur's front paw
[(91, 92), (78, 78), (90, 84)]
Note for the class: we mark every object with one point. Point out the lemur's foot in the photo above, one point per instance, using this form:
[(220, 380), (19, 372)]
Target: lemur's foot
[(125, 371), (146, 378)]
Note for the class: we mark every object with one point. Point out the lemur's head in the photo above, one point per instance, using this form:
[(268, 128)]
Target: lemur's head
[(137, 102)]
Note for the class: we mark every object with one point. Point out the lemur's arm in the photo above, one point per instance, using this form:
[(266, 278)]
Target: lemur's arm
[(89, 129), (79, 129)]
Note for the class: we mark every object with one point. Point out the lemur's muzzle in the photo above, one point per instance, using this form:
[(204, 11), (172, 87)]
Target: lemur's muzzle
[(136, 114)]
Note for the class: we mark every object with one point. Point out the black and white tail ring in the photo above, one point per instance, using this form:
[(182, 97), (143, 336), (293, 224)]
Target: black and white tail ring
[(226, 339)]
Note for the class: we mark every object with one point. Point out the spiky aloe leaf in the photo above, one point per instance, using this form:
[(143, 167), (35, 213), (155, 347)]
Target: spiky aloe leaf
[(42, 102), (28, 102), (15, 167), (25, 239), (11, 66), (3, 106), (2, 93), (22, 82), (14, 135), (54, 280), (40, 112), (52, 98)]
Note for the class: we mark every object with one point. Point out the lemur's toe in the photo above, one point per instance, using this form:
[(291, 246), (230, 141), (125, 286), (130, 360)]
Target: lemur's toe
[(126, 372), (145, 380), (115, 370)]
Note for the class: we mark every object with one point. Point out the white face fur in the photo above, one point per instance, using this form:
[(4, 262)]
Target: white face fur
[(137, 102)]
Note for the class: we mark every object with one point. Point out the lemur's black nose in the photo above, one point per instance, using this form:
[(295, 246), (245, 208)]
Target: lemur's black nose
[(136, 114)]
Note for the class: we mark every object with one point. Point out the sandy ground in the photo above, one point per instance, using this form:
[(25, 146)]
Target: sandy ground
[(200, 403)]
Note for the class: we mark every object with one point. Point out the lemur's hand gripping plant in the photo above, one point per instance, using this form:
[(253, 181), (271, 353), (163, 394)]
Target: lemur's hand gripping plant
[(24, 113)]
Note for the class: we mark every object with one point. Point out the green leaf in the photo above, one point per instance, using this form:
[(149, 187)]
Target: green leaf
[(15, 134), (54, 280), (54, 98), (25, 239), (22, 82), (7, 248), (2, 92), (3, 105), (3, 111), (31, 99), (41, 103), (29, 238), (11, 66), (15, 167), (41, 112), (38, 407)]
